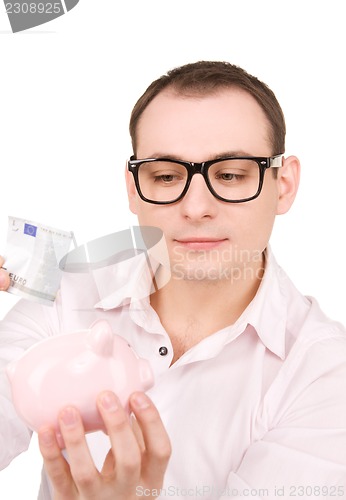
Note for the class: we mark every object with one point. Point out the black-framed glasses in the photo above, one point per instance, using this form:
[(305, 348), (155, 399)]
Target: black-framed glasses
[(233, 179)]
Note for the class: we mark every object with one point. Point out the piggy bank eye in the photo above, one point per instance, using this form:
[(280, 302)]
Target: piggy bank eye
[(132, 349)]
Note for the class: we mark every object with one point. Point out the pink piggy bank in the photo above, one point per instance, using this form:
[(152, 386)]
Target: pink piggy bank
[(73, 369)]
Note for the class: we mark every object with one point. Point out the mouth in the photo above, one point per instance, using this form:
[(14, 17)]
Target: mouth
[(200, 243)]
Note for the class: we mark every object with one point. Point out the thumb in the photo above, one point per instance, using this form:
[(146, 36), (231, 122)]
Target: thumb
[(4, 276)]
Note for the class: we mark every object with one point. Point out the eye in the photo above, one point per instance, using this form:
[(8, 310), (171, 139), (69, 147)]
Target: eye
[(229, 176), (162, 173), (166, 178)]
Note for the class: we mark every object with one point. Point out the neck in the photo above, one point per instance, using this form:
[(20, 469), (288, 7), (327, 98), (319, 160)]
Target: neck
[(191, 310)]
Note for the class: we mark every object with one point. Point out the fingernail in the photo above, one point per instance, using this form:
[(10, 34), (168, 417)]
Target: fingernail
[(69, 417), (109, 402), (140, 401)]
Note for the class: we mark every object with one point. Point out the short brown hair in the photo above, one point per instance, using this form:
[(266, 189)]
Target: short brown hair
[(207, 77)]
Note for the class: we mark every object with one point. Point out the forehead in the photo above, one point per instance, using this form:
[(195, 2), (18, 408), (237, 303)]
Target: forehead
[(198, 127)]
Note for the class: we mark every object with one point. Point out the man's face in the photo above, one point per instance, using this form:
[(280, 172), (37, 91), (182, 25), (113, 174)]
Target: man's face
[(207, 239)]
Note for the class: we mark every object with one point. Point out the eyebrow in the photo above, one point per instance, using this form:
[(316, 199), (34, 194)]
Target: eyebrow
[(232, 153), (213, 157)]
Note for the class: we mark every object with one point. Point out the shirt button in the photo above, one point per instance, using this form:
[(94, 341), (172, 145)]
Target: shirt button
[(163, 351)]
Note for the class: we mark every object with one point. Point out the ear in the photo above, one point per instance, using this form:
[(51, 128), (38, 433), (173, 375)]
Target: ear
[(131, 190), (288, 183), (100, 338)]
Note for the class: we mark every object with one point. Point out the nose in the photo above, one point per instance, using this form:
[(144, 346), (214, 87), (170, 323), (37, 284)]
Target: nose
[(198, 203)]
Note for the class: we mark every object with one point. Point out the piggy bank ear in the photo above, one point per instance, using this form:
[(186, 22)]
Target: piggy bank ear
[(100, 338)]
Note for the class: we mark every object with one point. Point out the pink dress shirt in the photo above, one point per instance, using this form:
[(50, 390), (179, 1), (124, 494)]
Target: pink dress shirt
[(256, 410)]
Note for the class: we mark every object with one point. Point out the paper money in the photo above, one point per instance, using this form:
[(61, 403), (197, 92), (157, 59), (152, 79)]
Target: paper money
[(32, 259)]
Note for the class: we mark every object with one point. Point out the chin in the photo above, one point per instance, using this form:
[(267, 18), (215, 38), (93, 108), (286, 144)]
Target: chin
[(200, 273)]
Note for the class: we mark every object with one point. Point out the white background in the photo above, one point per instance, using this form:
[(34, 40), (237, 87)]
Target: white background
[(67, 89)]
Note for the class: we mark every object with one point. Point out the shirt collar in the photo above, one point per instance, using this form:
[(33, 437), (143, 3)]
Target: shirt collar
[(267, 312)]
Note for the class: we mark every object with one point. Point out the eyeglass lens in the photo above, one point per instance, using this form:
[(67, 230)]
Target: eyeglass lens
[(234, 179)]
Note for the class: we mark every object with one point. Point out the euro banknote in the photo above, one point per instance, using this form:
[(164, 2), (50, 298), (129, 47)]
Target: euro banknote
[(32, 257)]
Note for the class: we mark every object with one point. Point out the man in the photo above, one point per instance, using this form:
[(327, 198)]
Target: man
[(250, 375)]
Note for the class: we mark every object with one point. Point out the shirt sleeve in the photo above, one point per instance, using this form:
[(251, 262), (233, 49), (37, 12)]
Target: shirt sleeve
[(26, 324), (302, 452)]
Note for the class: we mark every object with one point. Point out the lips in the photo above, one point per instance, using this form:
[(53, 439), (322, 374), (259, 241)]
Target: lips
[(200, 243)]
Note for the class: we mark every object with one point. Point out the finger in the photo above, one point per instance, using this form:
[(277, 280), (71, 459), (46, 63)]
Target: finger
[(125, 448), (108, 467), (84, 473), (4, 276), (138, 433), (56, 465), (157, 443)]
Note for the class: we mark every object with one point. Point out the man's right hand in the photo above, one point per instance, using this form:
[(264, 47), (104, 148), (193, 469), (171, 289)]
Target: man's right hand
[(4, 276), (137, 460)]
